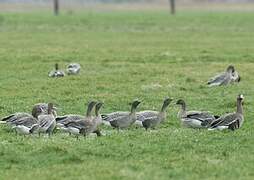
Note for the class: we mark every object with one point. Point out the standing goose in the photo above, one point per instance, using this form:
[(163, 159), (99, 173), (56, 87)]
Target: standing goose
[(225, 78), (150, 119), (61, 120), (56, 72), (230, 121), (73, 68), (87, 124), (121, 120), (47, 123), (194, 119)]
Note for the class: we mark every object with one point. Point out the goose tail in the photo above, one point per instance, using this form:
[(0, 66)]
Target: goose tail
[(7, 117)]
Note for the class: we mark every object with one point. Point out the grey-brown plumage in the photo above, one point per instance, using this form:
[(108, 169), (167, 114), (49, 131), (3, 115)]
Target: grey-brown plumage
[(150, 119), (47, 123), (98, 118), (230, 121), (121, 120), (10, 119), (27, 121), (56, 72), (225, 78), (87, 124), (61, 120), (42, 108), (194, 119)]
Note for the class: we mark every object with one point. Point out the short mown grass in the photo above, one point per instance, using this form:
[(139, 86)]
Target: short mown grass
[(145, 55)]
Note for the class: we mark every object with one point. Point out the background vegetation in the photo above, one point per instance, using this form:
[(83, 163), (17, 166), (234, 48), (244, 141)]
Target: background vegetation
[(145, 55)]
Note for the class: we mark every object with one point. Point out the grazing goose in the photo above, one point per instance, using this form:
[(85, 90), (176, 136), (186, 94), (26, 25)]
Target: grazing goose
[(47, 123), (150, 119), (225, 78), (56, 72), (194, 119), (230, 121), (121, 120), (24, 130), (87, 124), (74, 117), (73, 68)]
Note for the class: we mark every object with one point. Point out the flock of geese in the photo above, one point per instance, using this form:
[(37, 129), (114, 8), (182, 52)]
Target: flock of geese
[(44, 118)]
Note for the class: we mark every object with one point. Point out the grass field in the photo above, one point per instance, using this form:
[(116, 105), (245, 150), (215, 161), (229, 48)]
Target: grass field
[(145, 55)]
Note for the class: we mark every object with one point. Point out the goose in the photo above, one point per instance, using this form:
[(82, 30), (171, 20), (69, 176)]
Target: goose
[(194, 119), (24, 130), (87, 124), (230, 121), (22, 118), (47, 123), (121, 120), (56, 72), (73, 68), (61, 120), (150, 119), (225, 78)]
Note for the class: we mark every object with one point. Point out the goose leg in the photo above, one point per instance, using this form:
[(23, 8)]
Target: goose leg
[(98, 132)]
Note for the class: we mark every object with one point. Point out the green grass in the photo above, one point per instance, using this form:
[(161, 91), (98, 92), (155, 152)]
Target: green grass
[(145, 55)]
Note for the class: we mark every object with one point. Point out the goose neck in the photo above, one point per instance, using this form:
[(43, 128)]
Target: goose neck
[(239, 106)]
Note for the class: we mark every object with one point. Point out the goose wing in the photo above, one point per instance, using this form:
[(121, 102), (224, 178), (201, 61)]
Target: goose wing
[(68, 118), (120, 121), (45, 121), (147, 115), (227, 120), (200, 115), (84, 126), (114, 116), (15, 117), (217, 80), (26, 121)]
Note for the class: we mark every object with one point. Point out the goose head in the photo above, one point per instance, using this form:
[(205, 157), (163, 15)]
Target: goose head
[(240, 98), (134, 105), (230, 69), (181, 103), (166, 103), (98, 107), (50, 108), (56, 66), (90, 107), (239, 104)]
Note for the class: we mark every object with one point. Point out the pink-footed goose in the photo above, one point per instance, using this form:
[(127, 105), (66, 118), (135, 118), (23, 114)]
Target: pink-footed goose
[(150, 119), (230, 121)]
